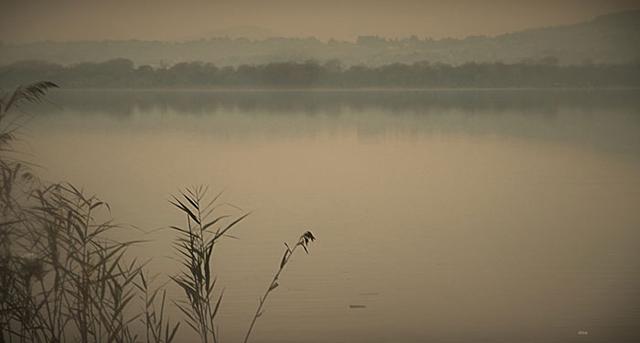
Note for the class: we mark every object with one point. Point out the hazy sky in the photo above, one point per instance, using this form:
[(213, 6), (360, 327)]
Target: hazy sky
[(29, 20)]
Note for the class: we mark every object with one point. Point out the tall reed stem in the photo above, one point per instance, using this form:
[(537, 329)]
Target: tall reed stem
[(303, 242)]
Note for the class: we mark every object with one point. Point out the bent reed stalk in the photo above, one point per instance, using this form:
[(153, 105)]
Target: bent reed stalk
[(303, 242)]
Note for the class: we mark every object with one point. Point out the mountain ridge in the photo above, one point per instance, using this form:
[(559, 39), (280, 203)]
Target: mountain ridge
[(610, 38)]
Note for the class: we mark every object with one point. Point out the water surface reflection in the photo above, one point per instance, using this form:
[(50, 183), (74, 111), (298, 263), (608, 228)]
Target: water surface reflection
[(453, 216)]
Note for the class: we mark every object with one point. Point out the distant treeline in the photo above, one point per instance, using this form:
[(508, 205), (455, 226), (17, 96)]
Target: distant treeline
[(122, 73)]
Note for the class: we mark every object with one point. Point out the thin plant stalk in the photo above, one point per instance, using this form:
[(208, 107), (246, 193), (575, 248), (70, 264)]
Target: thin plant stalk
[(303, 242)]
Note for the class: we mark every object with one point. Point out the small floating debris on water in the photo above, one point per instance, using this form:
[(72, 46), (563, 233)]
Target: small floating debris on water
[(357, 306), (583, 333)]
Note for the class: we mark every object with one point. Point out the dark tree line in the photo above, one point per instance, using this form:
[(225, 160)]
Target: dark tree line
[(122, 73)]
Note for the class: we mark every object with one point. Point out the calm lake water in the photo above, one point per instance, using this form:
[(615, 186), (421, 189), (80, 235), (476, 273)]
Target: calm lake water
[(451, 216)]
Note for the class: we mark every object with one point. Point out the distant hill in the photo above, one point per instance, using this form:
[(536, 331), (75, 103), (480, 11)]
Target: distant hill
[(243, 31), (612, 38)]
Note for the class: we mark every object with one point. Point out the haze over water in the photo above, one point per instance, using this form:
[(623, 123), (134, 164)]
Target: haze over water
[(451, 216)]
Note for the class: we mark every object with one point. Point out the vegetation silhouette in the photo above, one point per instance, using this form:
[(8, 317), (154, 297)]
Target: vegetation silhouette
[(63, 277), (122, 73)]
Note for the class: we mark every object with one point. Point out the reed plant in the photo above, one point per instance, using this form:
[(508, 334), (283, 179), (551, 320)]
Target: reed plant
[(64, 278), (195, 244), (303, 242), (158, 329)]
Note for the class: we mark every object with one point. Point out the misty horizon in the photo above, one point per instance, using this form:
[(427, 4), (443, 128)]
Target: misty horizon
[(70, 21), (606, 39)]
